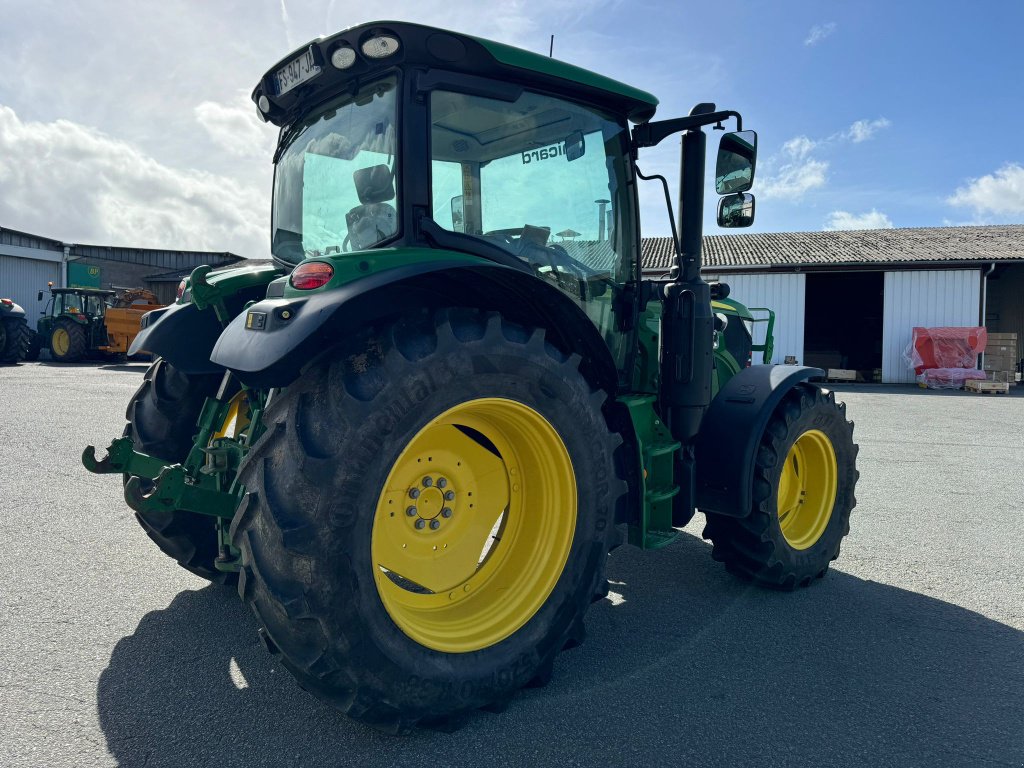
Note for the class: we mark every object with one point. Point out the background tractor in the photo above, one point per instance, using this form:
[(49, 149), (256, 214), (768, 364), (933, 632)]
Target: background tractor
[(78, 322), (15, 335), (413, 440)]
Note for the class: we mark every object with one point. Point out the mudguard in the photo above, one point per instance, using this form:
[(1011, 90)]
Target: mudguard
[(181, 334), (11, 310), (184, 335), (274, 338), (731, 431)]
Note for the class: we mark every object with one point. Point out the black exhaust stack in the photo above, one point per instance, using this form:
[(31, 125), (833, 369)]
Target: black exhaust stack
[(687, 324)]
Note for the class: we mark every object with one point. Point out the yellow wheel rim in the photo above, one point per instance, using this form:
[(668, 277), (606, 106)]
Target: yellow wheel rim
[(468, 543), (61, 342), (807, 489)]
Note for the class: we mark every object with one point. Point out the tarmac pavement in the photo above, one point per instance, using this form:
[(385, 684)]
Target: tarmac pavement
[(909, 652)]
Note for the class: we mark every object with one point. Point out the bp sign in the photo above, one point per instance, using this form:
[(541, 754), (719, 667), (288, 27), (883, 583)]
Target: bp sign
[(83, 276)]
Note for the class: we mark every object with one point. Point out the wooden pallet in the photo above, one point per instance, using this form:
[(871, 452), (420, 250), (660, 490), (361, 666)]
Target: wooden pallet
[(987, 387)]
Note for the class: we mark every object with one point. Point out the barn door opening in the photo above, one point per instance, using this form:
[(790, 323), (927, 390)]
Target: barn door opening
[(843, 321)]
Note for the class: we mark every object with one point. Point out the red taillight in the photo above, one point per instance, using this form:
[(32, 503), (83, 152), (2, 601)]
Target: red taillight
[(181, 291), (7, 302), (312, 274)]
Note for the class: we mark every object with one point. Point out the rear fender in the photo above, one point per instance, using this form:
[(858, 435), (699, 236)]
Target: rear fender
[(269, 344), (11, 311), (184, 335), (731, 431)]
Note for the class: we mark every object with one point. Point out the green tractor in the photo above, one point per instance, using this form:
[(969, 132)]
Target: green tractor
[(15, 335), (73, 324), (413, 440)]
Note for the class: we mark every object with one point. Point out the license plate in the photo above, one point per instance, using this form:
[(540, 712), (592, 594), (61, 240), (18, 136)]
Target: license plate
[(296, 72)]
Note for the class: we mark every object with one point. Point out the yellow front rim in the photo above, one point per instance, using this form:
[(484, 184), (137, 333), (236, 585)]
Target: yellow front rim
[(468, 542), (61, 342), (807, 489)]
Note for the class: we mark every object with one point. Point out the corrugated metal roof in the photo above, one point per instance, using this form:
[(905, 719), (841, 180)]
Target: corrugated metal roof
[(909, 246), (25, 240), (153, 257)]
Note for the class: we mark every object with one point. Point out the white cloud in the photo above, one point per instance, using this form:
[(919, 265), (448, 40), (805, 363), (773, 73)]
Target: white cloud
[(793, 173), (819, 32), (799, 147), (1000, 193), (75, 183), (793, 180), (844, 220), (862, 130), (235, 128)]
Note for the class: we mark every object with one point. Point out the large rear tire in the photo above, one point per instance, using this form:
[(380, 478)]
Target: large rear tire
[(14, 340), (428, 517), (67, 341), (805, 475), (162, 419)]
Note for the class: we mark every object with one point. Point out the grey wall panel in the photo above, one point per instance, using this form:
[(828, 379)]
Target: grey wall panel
[(927, 298), (21, 279), (783, 293)]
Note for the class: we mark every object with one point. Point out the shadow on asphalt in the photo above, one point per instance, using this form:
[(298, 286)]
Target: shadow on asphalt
[(683, 666)]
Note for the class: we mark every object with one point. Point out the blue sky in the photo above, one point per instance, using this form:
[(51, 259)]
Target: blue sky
[(129, 123)]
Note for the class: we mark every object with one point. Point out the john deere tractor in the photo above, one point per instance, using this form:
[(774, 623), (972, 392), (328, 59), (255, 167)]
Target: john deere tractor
[(413, 440)]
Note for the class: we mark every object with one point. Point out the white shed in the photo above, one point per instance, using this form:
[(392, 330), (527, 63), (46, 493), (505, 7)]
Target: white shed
[(851, 299)]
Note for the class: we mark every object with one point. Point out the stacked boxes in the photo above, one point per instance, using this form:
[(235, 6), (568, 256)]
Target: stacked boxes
[(1001, 357)]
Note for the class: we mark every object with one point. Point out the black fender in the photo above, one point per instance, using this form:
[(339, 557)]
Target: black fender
[(731, 431), (269, 344), (12, 311), (184, 335)]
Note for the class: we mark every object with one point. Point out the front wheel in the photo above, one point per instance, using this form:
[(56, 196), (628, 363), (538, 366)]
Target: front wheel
[(805, 474), (428, 518)]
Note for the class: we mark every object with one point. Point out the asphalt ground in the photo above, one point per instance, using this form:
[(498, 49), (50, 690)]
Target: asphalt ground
[(909, 652)]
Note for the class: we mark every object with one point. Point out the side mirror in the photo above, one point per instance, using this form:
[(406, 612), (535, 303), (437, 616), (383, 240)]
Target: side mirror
[(575, 146), (39, 296), (737, 155), (735, 211), (458, 214)]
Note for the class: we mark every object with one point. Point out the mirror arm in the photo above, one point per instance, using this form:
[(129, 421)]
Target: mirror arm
[(668, 205), (652, 134)]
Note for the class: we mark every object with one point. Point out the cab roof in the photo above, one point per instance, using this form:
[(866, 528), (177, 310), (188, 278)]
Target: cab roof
[(425, 47)]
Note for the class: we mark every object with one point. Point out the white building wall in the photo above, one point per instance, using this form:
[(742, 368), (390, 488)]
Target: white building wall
[(927, 298), (22, 278), (782, 293)]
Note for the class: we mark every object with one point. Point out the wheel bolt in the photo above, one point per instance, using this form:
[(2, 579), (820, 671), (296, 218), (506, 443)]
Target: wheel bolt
[(414, 493), (446, 512), (427, 482), (411, 511), (449, 495), (435, 524), (441, 482), (419, 524)]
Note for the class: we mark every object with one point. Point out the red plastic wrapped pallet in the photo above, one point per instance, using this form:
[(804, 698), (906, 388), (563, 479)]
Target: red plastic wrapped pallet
[(949, 378), (946, 347)]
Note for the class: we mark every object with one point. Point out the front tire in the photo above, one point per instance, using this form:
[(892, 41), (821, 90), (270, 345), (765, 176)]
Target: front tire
[(162, 418), (400, 599), (805, 475)]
